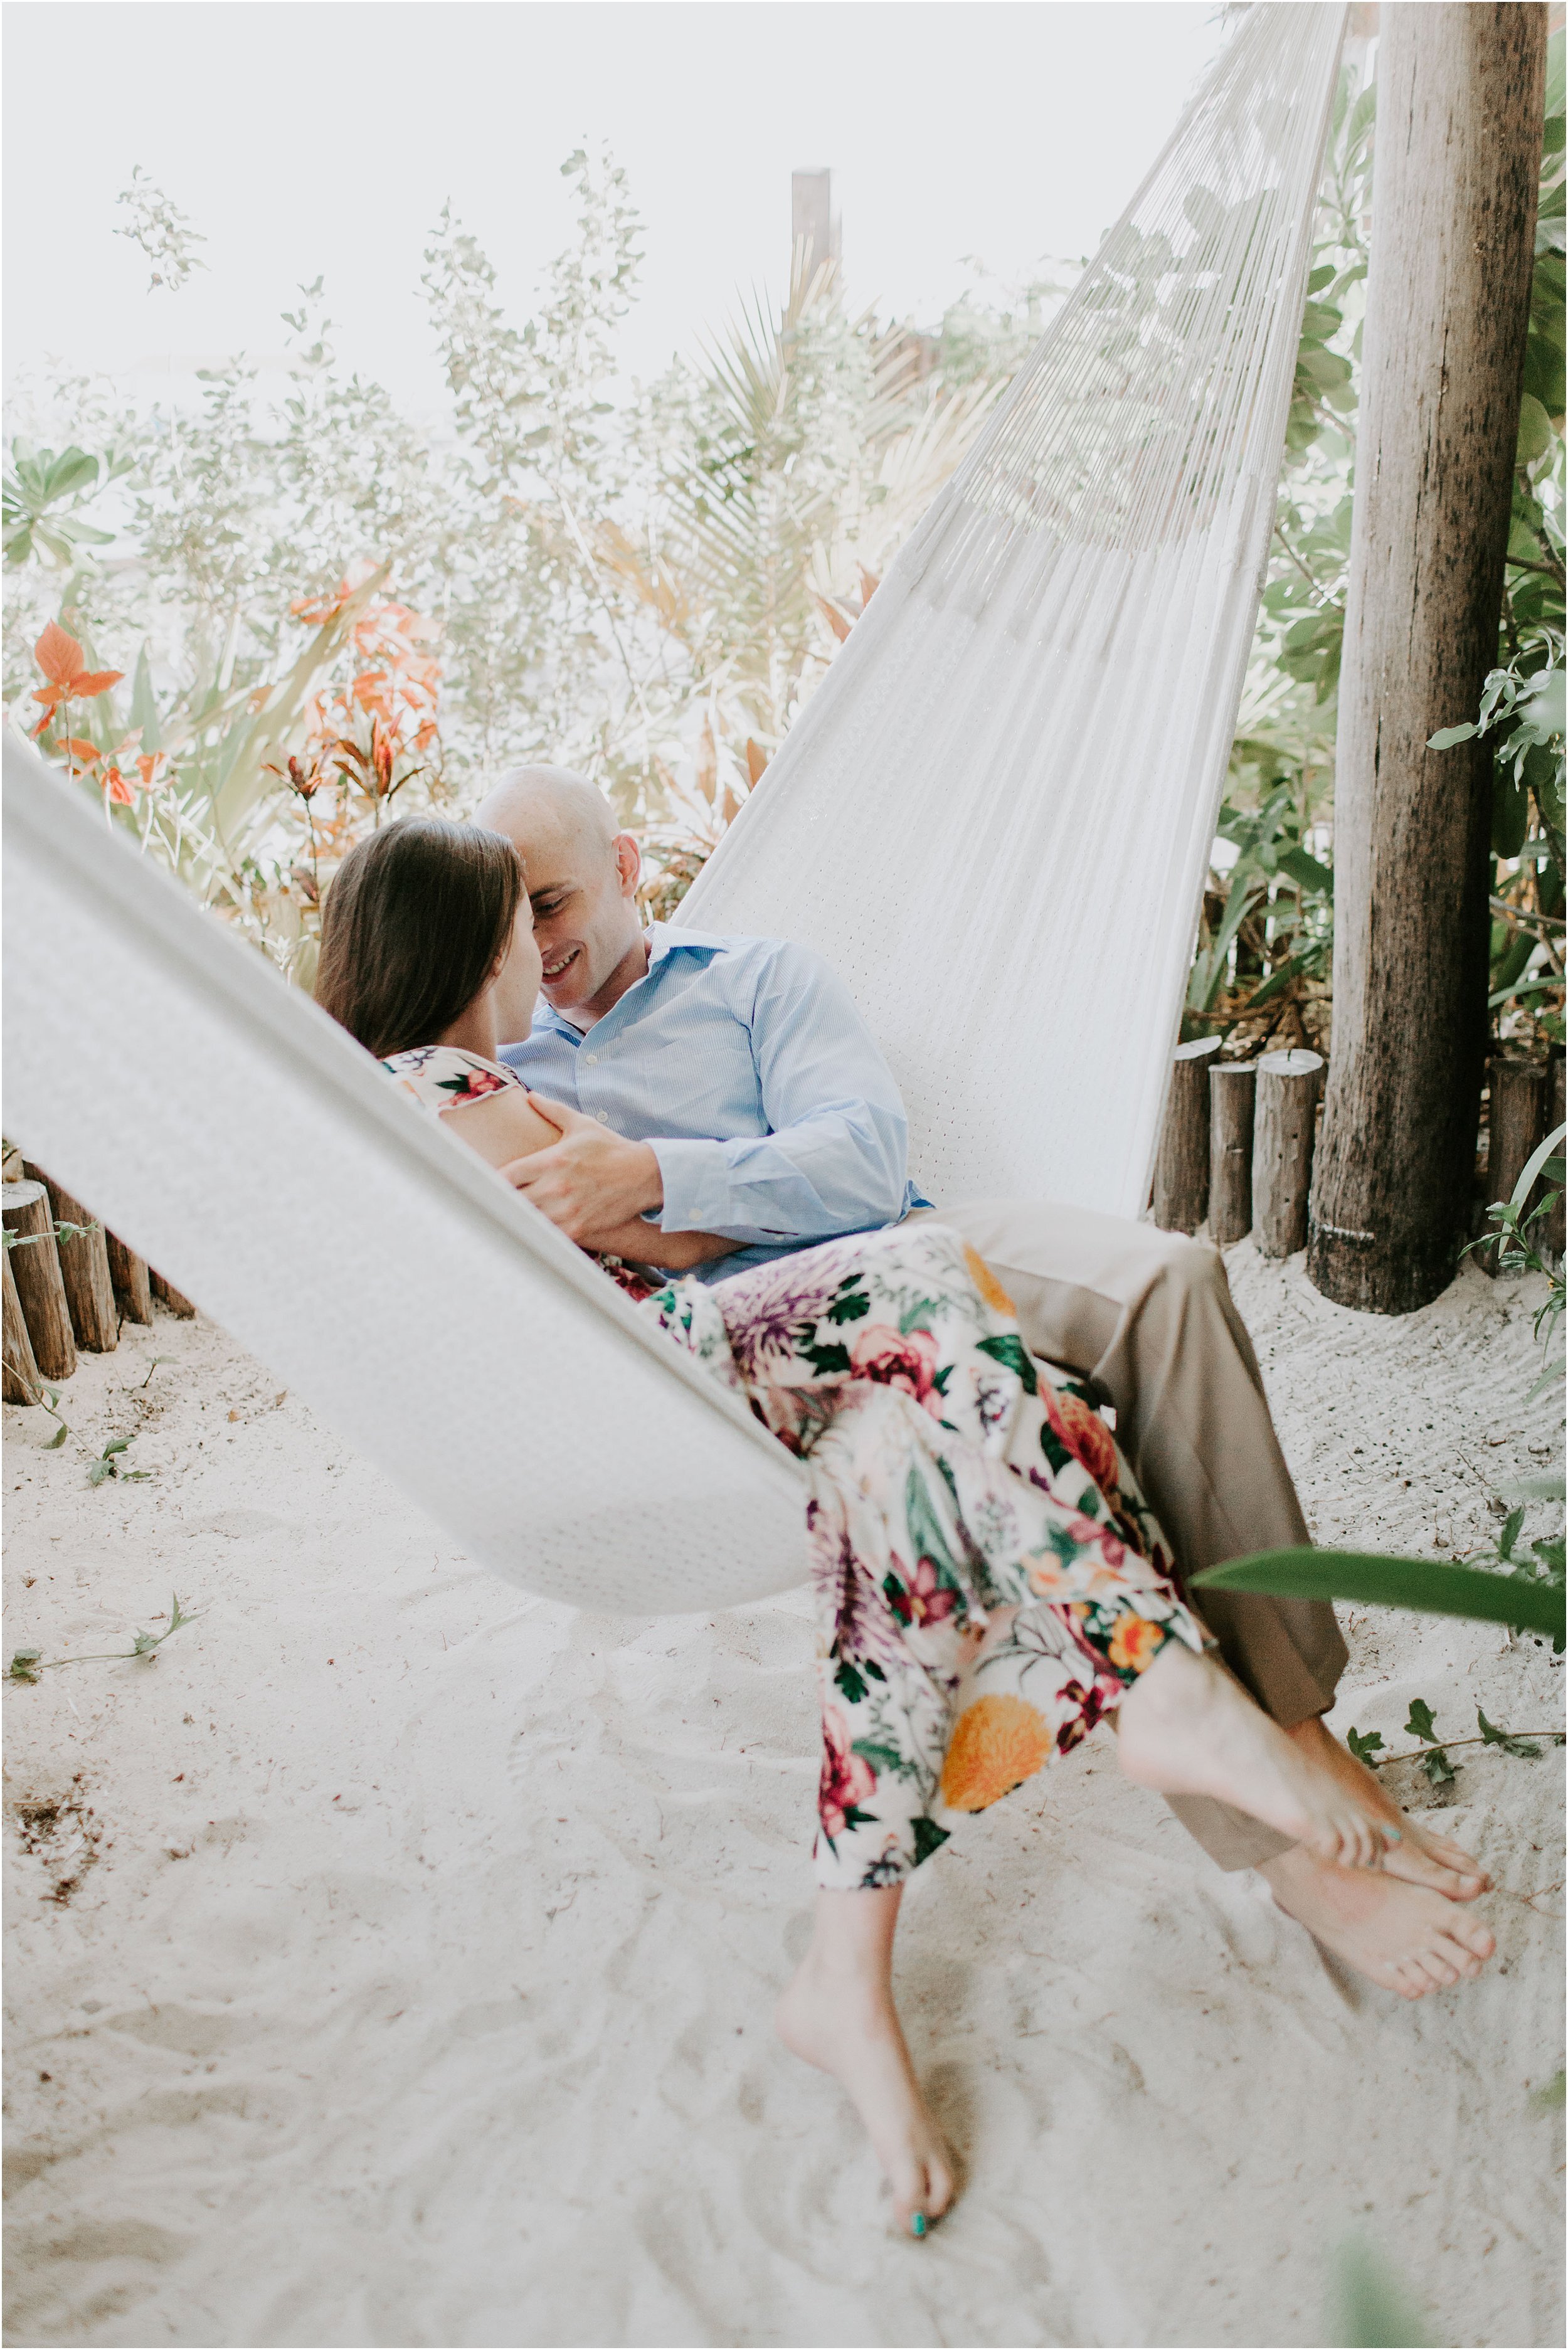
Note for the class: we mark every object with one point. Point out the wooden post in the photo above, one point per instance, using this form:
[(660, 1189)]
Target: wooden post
[(1233, 1099), (36, 1270), (1460, 107), (1282, 1138), (173, 1298), (1517, 1122), (814, 225), (21, 1382), (1181, 1170), (1552, 1225), (132, 1286), (84, 1269)]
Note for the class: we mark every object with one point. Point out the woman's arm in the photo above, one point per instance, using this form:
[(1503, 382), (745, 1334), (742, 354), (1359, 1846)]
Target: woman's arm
[(500, 1127), (505, 1126)]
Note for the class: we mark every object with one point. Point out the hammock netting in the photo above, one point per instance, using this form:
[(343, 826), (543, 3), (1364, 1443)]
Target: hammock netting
[(994, 815), (993, 818)]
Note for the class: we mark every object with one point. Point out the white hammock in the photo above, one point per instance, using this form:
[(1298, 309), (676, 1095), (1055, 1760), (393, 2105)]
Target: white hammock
[(992, 817)]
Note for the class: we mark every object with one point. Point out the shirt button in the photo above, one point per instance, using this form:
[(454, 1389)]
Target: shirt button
[(603, 1116), (590, 1060)]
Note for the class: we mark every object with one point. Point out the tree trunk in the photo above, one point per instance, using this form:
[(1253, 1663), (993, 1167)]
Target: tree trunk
[(36, 1270), (132, 1287), (1283, 1133), (1232, 1099), (84, 1269), (1460, 106), (21, 1380), (1181, 1170)]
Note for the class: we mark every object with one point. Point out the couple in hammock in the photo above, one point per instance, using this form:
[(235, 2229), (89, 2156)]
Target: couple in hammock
[(994, 1572)]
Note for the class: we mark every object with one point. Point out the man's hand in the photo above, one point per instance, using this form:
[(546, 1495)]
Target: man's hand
[(589, 1182)]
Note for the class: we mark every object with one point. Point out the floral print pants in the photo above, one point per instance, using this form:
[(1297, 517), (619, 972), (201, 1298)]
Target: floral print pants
[(989, 1579)]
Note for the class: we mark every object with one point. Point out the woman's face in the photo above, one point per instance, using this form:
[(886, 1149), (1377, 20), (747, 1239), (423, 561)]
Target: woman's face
[(517, 981)]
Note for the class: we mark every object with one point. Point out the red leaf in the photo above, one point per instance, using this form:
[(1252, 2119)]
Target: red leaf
[(59, 656), (97, 681)]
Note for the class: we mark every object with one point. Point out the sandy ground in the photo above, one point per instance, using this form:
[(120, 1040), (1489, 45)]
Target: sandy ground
[(390, 1961)]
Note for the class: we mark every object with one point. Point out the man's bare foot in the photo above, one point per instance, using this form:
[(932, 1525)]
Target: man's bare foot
[(838, 2014), (1419, 1857), (1188, 1729), (1405, 1938)]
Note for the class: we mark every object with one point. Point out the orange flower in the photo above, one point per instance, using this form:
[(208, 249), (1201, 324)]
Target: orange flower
[(64, 663), (1085, 1434), (1135, 1643), (997, 1743), (986, 1282)]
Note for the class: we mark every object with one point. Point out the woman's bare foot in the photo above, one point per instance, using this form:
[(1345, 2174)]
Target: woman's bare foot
[(1419, 1857), (838, 2014), (1405, 1938), (1188, 1729)]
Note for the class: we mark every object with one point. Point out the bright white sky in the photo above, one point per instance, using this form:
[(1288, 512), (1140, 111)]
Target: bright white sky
[(322, 136)]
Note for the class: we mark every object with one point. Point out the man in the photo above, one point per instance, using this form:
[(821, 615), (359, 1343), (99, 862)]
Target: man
[(729, 1086)]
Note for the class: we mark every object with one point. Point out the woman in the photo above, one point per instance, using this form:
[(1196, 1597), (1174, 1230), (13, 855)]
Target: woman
[(990, 1583)]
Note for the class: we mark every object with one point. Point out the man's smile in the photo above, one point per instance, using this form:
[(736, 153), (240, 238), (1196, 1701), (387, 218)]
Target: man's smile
[(563, 963)]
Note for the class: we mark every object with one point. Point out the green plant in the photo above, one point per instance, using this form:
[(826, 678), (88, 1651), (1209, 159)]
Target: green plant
[(1373, 2309), (107, 1465), (1514, 1224), (27, 1664), (1425, 1586)]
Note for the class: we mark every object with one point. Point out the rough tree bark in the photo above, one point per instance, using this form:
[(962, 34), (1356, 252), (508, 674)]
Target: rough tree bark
[(1460, 103)]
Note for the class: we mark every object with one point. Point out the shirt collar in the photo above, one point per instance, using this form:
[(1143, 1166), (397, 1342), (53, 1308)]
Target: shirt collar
[(664, 940)]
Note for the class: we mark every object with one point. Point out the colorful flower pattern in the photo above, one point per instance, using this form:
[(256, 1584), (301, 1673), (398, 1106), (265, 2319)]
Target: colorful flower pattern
[(439, 1076), (989, 1578)]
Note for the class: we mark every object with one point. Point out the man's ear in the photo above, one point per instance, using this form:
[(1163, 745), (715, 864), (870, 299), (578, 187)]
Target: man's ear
[(628, 862)]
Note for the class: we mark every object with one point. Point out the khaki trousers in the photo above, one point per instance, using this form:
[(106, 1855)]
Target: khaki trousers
[(1149, 1315)]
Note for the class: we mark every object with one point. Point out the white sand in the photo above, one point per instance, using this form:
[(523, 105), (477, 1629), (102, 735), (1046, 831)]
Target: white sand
[(419, 1990)]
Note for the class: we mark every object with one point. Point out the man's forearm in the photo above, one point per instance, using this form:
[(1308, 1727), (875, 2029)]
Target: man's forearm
[(836, 1173)]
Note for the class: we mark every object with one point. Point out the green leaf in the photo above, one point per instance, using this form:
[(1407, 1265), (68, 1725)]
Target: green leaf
[(850, 1306), (1447, 736), (929, 1838), (849, 1682), (1525, 1748), (881, 1758), (1420, 1723), (1303, 867), (1510, 1534), (1008, 1349), (1549, 2098), (1535, 433), (1364, 1745), (1438, 1767), (57, 1438), (1429, 1587)]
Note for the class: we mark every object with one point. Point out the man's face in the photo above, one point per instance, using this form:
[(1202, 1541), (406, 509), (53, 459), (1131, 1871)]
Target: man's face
[(585, 918)]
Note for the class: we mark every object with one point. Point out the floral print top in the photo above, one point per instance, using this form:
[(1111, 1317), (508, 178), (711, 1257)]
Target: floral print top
[(439, 1076)]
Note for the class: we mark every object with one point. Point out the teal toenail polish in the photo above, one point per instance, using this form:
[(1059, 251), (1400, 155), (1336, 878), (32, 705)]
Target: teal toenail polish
[(917, 2223), (1394, 1836)]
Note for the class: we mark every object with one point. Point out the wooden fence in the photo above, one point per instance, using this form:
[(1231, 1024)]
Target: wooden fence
[(1235, 1149), (69, 1283)]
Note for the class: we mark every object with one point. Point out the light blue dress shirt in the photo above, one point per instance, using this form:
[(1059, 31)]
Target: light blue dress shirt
[(774, 1118)]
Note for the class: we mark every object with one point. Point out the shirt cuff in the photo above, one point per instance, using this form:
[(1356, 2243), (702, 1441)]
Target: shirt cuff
[(697, 1193)]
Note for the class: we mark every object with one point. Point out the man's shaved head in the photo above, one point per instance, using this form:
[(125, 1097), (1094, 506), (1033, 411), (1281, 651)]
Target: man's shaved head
[(556, 800), (582, 872)]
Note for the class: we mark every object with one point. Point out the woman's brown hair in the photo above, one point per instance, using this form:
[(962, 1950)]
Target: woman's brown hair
[(414, 925)]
